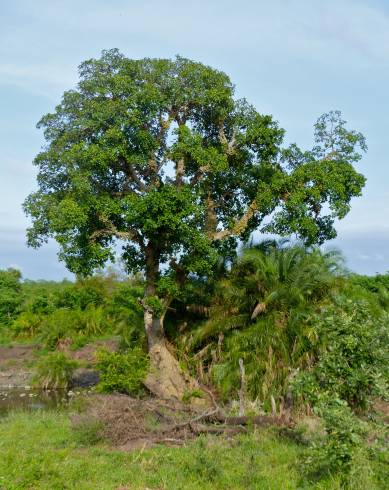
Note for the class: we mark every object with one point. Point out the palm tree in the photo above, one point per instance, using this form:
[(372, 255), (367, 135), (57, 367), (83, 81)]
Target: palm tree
[(261, 311)]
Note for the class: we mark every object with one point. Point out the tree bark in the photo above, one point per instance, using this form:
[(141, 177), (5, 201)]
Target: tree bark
[(166, 379)]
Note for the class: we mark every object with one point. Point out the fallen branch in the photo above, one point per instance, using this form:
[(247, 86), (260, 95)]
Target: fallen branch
[(256, 420), (202, 416), (216, 429)]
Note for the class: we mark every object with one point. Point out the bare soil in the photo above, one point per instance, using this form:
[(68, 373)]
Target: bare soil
[(15, 365), (17, 361), (88, 352)]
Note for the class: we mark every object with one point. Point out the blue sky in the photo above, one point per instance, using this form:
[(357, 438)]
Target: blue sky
[(293, 59)]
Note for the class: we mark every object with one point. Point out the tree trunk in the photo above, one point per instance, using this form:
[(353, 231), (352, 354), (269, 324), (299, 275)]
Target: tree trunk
[(166, 378)]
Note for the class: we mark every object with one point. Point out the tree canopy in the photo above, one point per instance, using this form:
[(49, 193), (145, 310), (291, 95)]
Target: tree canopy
[(159, 154)]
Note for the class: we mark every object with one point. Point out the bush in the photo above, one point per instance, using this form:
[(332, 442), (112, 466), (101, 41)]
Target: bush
[(351, 367), (122, 372), (352, 359), (85, 292), (61, 324), (27, 324), (342, 451), (54, 371), (78, 325), (10, 297)]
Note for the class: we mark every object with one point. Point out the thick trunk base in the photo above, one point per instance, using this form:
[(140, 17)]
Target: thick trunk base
[(166, 378)]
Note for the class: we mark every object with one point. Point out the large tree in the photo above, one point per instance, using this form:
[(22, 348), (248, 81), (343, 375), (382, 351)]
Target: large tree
[(159, 155)]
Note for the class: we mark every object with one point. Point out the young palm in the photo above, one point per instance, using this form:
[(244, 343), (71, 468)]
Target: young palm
[(262, 308)]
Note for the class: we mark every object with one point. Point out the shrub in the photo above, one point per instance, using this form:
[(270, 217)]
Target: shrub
[(60, 325), (54, 371), (122, 372), (93, 321), (342, 450), (10, 297), (79, 325), (350, 368), (85, 292), (27, 324), (352, 358)]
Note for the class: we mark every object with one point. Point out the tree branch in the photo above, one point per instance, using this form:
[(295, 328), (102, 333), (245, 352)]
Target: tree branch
[(180, 172), (200, 174), (239, 225), (230, 145), (111, 230), (130, 171)]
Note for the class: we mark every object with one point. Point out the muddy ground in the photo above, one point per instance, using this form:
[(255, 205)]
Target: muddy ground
[(17, 362)]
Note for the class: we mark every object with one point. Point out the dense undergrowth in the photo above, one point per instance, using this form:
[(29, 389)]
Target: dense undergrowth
[(53, 312), (311, 338)]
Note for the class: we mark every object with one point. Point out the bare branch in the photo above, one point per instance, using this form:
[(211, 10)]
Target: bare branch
[(111, 230), (210, 223), (132, 174), (200, 174), (180, 172), (230, 145), (239, 225)]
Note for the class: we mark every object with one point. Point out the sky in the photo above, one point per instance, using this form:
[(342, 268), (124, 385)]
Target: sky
[(294, 59)]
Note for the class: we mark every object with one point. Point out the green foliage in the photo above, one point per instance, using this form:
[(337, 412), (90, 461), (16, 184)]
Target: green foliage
[(54, 371), (122, 372), (352, 355), (379, 285), (79, 312), (342, 450), (10, 298), (86, 292), (261, 312), (27, 324), (155, 304), (73, 324), (61, 324), (350, 367), (189, 395)]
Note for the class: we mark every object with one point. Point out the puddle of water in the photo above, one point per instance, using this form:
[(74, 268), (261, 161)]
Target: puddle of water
[(30, 399)]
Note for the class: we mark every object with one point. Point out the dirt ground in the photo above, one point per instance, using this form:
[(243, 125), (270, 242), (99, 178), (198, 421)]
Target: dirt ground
[(15, 365), (16, 361)]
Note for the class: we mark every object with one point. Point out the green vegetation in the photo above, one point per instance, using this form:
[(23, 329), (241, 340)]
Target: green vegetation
[(122, 372), (54, 371), (100, 306), (9, 295), (40, 450), (312, 338)]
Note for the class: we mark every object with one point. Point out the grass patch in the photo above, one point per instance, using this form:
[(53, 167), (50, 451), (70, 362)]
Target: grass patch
[(41, 451), (54, 370)]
